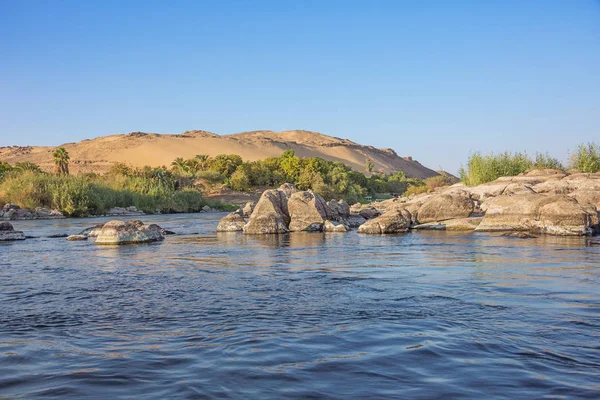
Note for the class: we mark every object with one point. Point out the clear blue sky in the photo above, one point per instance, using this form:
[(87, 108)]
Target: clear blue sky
[(431, 79)]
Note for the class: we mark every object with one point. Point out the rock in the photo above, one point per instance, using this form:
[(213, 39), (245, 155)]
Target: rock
[(289, 189), (206, 209), (46, 213), (445, 206), (92, 231), (308, 211), (354, 221), (584, 196), (121, 211), (248, 208), (392, 221), (9, 206), (8, 233), (460, 224), (57, 236), (74, 238), (520, 235), (369, 213), (128, 232), (232, 222), (338, 210), (554, 214), (168, 232), (270, 214), (330, 226)]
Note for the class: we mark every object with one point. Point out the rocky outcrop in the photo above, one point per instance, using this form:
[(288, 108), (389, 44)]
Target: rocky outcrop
[(232, 222), (338, 210), (308, 211), (128, 232), (13, 212), (554, 214), (270, 215), (8, 233), (369, 213), (393, 221), (445, 206)]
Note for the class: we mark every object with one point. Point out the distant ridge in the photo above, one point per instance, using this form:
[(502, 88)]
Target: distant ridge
[(140, 148)]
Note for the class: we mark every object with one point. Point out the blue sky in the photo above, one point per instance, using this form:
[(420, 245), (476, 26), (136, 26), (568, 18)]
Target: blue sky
[(431, 79)]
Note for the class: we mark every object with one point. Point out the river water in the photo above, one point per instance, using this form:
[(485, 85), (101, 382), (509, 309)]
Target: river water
[(305, 315)]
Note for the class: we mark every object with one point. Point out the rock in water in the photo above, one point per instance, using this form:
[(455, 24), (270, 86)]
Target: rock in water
[(330, 226), (554, 214), (232, 222), (445, 206), (369, 213), (520, 235), (74, 238), (308, 211), (393, 221), (128, 232), (248, 209), (7, 232), (92, 231), (270, 214)]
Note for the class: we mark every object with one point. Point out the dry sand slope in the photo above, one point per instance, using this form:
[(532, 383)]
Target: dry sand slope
[(139, 149)]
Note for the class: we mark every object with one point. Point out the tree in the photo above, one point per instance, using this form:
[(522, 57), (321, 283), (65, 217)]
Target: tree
[(202, 161), (226, 164), (179, 164), (61, 161), (369, 165), (27, 166)]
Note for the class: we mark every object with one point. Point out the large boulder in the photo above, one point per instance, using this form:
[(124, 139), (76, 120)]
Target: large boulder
[(270, 215), (128, 232), (369, 213), (308, 211), (554, 214), (445, 206), (338, 210), (92, 231), (7, 232), (459, 224), (232, 222), (393, 221)]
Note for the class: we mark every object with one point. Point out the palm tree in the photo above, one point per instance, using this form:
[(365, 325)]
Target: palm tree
[(203, 161), (27, 166), (61, 161), (179, 164)]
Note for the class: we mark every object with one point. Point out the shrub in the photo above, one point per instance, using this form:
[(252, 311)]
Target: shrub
[(587, 158), (416, 190), (545, 161), (440, 181), (486, 168)]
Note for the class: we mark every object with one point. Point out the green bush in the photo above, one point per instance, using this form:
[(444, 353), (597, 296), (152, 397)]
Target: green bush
[(587, 158), (486, 168)]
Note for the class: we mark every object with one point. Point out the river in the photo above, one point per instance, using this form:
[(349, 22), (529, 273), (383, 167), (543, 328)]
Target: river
[(304, 315)]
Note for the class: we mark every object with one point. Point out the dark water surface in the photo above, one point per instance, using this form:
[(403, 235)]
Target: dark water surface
[(421, 315)]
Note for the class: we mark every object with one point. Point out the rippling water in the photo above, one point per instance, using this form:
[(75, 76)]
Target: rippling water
[(205, 315)]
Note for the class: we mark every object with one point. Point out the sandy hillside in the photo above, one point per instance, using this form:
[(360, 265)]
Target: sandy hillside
[(139, 149)]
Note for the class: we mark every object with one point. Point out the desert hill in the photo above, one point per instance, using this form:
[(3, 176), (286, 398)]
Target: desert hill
[(139, 149)]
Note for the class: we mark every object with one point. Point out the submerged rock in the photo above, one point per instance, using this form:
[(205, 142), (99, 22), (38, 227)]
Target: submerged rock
[(73, 238), (520, 235), (128, 232), (8, 233), (232, 222)]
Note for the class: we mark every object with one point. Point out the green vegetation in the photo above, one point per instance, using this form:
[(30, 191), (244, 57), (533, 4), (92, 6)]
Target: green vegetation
[(61, 161), (148, 189), (587, 158), (486, 168)]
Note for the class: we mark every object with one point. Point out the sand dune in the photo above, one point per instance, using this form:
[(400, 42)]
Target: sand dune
[(139, 149)]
